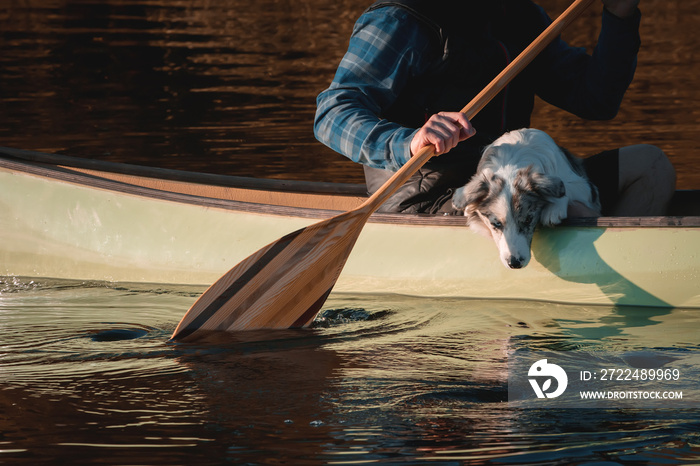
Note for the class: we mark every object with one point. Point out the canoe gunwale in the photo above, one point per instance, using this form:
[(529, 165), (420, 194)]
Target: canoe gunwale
[(66, 169), (310, 187), (66, 175)]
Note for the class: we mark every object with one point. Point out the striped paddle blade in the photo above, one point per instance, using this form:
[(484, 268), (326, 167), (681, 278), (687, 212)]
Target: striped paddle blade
[(282, 285)]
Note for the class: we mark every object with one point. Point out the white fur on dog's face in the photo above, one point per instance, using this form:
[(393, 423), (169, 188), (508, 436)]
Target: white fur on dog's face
[(507, 206)]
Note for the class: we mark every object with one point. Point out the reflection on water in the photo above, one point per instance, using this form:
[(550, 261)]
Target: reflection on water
[(86, 371), (230, 87), (209, 85)]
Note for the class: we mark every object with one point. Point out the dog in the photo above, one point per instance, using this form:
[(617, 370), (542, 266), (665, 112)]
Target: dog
[(523, 179)]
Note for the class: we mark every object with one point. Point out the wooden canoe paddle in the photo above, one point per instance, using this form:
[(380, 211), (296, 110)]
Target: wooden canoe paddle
[(285, 284)]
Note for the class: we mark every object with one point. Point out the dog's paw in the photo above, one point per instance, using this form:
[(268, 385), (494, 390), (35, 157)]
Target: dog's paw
[(555, 211), (459, 199)]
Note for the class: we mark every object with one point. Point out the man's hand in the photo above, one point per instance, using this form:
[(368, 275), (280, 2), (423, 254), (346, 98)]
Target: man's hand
[(621, 8), (443, 130)]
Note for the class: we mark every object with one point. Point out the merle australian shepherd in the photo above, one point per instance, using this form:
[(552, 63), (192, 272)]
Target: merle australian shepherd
[(523, 179)]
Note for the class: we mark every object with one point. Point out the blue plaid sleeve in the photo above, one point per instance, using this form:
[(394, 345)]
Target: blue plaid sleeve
[(386, 48)]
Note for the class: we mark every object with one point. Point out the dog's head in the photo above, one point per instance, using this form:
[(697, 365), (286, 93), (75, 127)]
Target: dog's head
[(507, 206)]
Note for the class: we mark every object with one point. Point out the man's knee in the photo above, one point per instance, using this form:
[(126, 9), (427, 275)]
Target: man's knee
[(646, 172), (647, 162)]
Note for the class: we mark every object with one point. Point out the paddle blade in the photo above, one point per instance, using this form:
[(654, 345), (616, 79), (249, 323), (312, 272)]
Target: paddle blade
[(282, 285)]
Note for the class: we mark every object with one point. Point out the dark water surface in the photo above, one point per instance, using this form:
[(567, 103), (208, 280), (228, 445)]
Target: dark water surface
[(230, 86), (86, 373), (87, 377)]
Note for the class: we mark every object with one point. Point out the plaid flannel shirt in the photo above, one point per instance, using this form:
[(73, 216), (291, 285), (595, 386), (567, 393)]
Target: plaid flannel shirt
[(386, 50)]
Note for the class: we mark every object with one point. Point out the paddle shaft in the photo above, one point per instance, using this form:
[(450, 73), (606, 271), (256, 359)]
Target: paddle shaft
[(479, 102)]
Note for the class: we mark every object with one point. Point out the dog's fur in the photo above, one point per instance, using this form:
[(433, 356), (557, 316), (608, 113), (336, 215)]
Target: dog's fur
[(523, 179)]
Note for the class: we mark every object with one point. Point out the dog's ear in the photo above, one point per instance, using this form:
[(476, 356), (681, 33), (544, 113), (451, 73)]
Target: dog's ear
[(475, 191), (548, 187)]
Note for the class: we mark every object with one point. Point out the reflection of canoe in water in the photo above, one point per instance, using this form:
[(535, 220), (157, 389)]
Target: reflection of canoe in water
[(81, 219)]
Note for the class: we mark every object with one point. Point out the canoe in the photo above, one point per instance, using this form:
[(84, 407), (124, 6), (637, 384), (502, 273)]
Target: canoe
[(79, 219)]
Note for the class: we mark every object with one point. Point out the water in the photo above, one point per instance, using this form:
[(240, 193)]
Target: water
[(87, 375), (227, 86), (218, 86)]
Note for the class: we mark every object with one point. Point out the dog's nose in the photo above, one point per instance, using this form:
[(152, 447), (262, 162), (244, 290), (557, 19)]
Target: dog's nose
[(515, 262)]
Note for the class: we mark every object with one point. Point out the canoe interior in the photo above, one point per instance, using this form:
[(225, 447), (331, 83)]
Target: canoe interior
[(300, 198)]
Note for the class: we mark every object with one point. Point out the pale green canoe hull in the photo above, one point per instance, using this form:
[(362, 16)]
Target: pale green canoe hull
[(79, 226)]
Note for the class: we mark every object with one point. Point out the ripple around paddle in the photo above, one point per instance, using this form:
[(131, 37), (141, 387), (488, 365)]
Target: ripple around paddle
[(58, 331)]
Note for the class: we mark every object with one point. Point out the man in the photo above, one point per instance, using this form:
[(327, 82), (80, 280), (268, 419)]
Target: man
[(412, 64)]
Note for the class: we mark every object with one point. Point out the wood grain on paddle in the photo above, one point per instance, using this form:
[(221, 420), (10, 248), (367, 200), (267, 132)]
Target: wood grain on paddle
[(285, 283)]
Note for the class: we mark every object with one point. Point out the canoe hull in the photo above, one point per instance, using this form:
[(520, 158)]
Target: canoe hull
[(72, 229)]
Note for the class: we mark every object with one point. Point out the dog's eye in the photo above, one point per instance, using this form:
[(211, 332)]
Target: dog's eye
[(529, 219), (497, 225)]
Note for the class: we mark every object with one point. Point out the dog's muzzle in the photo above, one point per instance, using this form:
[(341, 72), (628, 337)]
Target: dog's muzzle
[(516, 262)]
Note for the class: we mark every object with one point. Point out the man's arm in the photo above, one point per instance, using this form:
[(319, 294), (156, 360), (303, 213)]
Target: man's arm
[(593, 86), (386, 48)]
